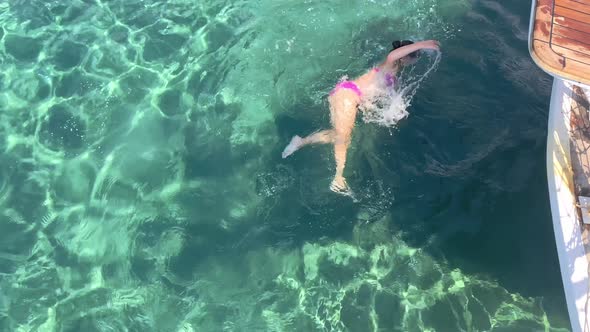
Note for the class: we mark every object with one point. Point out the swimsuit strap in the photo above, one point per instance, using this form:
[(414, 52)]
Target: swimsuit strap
[(390, 80)]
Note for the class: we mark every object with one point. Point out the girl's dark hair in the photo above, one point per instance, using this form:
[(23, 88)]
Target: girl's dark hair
[(400, 43)]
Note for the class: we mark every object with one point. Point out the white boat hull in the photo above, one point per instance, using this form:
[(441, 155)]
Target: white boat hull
[(569, 237)]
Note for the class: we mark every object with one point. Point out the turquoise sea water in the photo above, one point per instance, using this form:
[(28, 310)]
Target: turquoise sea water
[(142, 188)]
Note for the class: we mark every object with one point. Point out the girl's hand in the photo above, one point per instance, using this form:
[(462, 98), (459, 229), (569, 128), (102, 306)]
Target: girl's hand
[(431, 44)]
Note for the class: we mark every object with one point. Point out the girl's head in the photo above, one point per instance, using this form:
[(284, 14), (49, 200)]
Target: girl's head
[(410, 58)]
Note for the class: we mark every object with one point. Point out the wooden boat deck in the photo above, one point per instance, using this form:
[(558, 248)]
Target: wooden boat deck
[(560, 40), (580, 153)]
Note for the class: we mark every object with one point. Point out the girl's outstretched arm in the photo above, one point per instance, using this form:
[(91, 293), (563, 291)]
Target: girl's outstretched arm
[(401, 52)]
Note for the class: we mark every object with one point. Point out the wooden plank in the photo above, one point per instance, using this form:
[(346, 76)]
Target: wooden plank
[(543, 18), (561, 39), (573, 14), (553, 62), (575, 5), (572, 24), (571, 44), (576, 37), (547, 57), (579, 70), (567, 53), (586, 2)]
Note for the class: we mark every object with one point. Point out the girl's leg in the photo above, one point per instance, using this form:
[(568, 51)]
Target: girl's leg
[(343, 113), (320, 137)]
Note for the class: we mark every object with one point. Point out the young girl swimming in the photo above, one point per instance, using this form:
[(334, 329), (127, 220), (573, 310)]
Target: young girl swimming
[(344, 101)]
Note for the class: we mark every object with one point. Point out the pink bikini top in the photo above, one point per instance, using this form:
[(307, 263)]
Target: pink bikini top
[(390, 80)]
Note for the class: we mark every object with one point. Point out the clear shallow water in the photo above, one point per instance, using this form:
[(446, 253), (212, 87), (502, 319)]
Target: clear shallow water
[(142, 189)]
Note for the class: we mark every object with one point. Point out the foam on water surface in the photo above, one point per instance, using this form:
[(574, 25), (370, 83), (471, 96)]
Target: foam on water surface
[(386, 106)]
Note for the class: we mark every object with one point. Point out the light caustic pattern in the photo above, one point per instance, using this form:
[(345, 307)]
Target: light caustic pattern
[(131, 135)]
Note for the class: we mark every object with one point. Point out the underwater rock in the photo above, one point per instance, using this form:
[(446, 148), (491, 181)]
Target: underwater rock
[(481, 319), (337, 291), (170, 102), (252, 131), (488, 297), (109, 61), (4, 302), (16, 239), (136, 16), (441, 316), (69, 54), (72, 13), (368, 235), (119, 34), (356, 317), (162, 45), (218, 35), (337, 262), (29, 87), (22, 48), (76, 82), (73, 181), (388, 309), (148, 167), (34, 289), (200, 22), (137, 83), (33, 14), (207, 143), (62, 130), (80, 304)]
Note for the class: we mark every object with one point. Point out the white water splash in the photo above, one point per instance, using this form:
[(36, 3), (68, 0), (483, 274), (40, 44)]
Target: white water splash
[(385, 106)]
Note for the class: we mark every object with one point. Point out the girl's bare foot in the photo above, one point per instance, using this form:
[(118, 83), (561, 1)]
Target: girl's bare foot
[(340, 186), (293, 146)]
